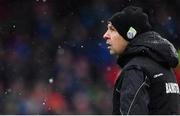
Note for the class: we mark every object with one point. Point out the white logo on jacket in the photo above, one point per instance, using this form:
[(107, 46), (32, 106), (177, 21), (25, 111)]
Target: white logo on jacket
[(158, 75), (172, 88)]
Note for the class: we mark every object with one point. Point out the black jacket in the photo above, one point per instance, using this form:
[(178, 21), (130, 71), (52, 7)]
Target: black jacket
[(147, 84)]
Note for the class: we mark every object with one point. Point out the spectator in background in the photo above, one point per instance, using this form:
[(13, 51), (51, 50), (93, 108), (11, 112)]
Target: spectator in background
[(146, 84)]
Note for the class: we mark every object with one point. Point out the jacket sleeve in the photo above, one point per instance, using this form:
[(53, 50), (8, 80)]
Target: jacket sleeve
[(134, 96)]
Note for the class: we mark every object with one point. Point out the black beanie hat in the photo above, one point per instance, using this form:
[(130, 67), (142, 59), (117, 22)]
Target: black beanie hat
[(130, 22)]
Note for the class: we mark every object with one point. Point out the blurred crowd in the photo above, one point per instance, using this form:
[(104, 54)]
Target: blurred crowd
[(53, 59)]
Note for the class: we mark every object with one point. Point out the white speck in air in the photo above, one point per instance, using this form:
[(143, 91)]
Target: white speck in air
[(102, 21), (169, 18), (108, 68), (59, 47), (99, 44), (44, 103), (14, 26), (51, 80)]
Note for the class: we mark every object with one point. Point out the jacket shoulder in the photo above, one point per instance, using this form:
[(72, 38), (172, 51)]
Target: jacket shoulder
[(145, 64)]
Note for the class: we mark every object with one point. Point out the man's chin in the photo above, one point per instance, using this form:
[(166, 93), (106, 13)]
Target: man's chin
[(111, 52)]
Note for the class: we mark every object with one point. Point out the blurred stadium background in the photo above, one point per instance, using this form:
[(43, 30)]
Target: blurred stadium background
[(53, 59)]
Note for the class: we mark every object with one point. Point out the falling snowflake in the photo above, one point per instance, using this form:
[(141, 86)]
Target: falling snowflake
[(60, 50), (5, 92), (59, 47), (82, 46), (8, 91), (51, 80), (102, 21), (14, 26), (108, 68), (44, 103), (99, 44), (169, 17)]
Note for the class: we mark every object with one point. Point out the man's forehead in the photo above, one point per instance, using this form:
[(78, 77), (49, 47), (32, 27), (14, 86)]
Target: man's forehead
[(110, 25)]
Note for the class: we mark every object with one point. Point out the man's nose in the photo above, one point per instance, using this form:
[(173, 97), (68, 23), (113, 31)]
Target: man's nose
[(106, 36)]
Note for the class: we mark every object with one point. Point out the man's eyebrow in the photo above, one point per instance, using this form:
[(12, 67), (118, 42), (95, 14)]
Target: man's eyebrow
[(108, 22), (111, 27)]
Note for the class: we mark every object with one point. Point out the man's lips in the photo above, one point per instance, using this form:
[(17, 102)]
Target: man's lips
[(109, 45)]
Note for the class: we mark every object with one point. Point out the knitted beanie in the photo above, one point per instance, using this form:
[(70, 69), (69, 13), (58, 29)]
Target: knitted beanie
[(130, 22)]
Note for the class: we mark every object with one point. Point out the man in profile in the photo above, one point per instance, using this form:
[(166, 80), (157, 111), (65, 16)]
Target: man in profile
[(147, 84)]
